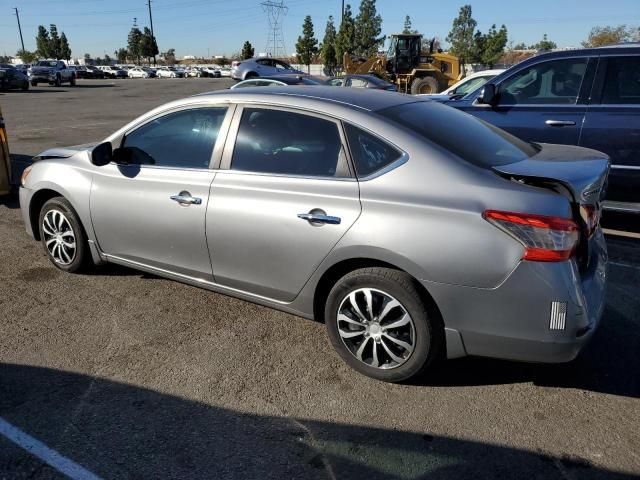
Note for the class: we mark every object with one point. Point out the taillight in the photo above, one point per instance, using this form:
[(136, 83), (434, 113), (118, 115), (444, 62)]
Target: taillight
[(545, 239), (591, 216)]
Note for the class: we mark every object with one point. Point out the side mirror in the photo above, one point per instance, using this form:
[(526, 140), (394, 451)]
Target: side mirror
[(102, 154), (488, 95)]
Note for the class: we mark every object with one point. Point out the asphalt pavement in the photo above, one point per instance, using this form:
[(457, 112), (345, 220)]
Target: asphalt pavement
[(120, 374)]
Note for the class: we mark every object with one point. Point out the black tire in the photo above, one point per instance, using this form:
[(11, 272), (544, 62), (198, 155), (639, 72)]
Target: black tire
[(427, 331), (58, 82), (72, 82), (424, 85), (249, 75), (25, 86), (81, 255), (34, 84)]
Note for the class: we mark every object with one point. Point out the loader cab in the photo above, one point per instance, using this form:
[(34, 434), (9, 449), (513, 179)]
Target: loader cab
[(404, 53)]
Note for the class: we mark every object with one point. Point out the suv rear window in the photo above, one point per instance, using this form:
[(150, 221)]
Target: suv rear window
[(470, 138)]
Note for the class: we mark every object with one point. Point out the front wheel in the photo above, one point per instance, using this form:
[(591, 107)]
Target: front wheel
[(62, 236), (426, 85), (25, 86), (72, 82), (58, 81), (379, 325), (34, 84)]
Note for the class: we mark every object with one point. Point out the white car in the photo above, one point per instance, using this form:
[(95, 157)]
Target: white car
[(225, 72), (466, 85), (212, 72), (137, 72), (192, 72), (164, 72)]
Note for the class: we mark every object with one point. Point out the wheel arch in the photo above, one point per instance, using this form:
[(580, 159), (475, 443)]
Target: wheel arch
[(35, 206), (341, 268)]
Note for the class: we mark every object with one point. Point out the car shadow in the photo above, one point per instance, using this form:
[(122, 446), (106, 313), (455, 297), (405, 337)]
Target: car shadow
[(119, 430), (102, 85)]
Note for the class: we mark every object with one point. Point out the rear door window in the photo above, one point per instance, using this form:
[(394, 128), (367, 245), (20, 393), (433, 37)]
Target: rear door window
[(287, 143), (622, 81)]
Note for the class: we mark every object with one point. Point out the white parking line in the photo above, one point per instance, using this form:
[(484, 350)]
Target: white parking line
[(38, 449), (627, 265)]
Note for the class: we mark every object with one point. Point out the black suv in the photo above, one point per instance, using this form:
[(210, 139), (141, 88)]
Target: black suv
[(587, 97)]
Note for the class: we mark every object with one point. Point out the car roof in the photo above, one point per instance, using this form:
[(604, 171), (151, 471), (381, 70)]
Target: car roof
[(360, 98)]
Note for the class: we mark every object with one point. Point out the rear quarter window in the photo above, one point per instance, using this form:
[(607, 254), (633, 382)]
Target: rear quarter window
[(369, 153)]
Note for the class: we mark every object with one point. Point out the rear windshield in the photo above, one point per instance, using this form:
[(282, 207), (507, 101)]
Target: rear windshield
[(469, 138), (47, 64)]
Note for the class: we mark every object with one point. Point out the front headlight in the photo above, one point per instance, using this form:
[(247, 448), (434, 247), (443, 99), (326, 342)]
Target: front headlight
[(25, 174)]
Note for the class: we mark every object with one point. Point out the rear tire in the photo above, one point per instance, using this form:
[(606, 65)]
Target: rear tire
[(72, 82), (34, 84), (248, 75), (62, 235), (25, 86), (58, 81), (424, 85), (393, 338)]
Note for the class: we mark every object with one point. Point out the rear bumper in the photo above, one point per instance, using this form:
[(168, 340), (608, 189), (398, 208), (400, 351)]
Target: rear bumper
[(514, 320)]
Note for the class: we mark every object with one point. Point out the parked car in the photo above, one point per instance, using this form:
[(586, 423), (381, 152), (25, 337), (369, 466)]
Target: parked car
[(193, 72), (164, 72), (97, 73), (225, 72), (359, 208), (212, 72), (587, 97), (53, 72), (137, 72), (5, 160), (12, 78), (83, 72), (113, 72), (260, 67), (279, 80), (361, 81), (153, 72), (466, 85)]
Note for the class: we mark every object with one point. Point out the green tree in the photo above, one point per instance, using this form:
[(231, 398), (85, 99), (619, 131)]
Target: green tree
[(134, 41), (65, 50), (346, 38), (307, 45), (42, 42), (121, 55), (545, 44), (55, 46), (222, 61), (87, 57), (521, 46), (477, 48), (601, 36), (26, 56), (148, 45), (368, 26), (407, 24), (328, 51), (170, 56), (461, 36), (107, 59), (247, 51), (494, 44)]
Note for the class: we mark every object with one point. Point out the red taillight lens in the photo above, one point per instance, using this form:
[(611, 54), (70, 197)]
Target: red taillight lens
[(546, 239)]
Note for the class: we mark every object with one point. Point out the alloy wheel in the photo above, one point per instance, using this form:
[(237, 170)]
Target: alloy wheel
[(376, 328), (59, 237)]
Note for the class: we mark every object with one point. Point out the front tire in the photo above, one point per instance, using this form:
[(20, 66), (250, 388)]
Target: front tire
[(426, 85), (62, 235), (58, 82), (379, 325), (72, 82), (34, 84), (25, 86)]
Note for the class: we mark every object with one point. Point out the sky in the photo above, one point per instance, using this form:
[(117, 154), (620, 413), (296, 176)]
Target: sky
[(220, 27)]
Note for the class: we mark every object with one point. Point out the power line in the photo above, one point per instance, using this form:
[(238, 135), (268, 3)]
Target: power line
[(19, 27)]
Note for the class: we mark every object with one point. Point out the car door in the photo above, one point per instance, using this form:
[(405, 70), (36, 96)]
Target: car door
[(612, 125), (283, 198), (541, 102), (149, 205)]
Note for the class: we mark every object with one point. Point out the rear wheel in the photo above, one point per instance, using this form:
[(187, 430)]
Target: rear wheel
[(378, 323), (34, 84), (25, 86), (72, 82), (424, 85), (248, 75), (62, 236), (58, 81)]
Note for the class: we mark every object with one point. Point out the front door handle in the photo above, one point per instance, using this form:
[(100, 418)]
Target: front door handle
[(185, 198), (560, 123), (315, 216)]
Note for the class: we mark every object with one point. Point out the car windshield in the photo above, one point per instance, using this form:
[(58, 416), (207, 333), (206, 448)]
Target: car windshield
[(472, 84), (469, 138), (47, 64)]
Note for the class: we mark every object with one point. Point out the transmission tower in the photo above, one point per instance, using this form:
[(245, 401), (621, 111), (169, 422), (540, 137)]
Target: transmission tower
[(275, 10)]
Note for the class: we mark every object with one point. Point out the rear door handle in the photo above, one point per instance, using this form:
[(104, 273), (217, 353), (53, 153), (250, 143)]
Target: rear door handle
[(560, 123), (185, 198), (320, 218)]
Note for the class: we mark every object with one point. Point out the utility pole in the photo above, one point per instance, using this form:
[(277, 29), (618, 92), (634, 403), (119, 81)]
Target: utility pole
[(342, 18), (153, 38), (19, 28)]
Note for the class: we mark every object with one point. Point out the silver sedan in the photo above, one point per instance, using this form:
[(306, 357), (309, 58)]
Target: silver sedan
[(413, 230)]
